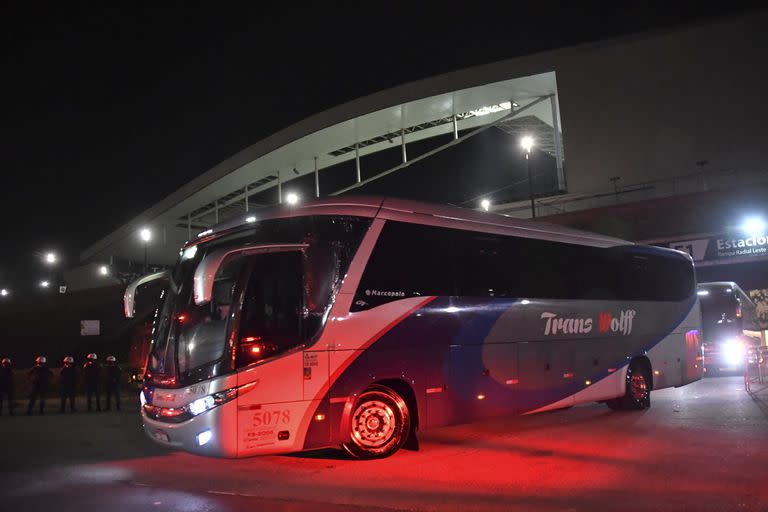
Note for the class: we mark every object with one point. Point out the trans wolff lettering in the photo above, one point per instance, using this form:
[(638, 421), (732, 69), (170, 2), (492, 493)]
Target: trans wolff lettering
[(606, 322)]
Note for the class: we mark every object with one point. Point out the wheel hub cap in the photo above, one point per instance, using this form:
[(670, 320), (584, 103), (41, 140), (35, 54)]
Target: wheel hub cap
[(639, 387), (374, 424)]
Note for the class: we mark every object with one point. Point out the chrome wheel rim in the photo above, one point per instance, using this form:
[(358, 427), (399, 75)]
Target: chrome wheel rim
[(373, 424), (639, 387)]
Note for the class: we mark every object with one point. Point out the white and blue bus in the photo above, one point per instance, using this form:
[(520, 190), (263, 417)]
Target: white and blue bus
[(360, 322)]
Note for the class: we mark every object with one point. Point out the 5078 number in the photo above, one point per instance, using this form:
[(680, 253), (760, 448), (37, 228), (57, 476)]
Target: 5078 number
[(266, 418)]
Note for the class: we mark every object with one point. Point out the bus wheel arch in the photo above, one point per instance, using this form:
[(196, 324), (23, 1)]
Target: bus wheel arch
[(380, 422), (638, 386), (402, 388)]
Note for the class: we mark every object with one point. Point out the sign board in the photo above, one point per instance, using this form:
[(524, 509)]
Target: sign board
[(62, 289), (90, 328), (726, 248)]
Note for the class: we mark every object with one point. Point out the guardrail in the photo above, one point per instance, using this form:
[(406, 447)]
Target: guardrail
[(756, 368)]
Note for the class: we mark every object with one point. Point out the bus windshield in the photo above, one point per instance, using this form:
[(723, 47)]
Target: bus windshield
[(720, 313), (262, 304)]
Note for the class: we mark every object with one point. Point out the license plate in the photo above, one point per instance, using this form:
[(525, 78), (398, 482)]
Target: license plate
[(161, 436)]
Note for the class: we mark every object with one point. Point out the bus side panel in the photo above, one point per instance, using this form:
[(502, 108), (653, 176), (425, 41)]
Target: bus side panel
[(459, 355), (477, 381), (546, 374), (675, 359), (591, 358)]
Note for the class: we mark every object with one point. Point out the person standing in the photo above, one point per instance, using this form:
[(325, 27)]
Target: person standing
[(113, 382), (6, 384), (67, 382), (41, 377), (92, 375)]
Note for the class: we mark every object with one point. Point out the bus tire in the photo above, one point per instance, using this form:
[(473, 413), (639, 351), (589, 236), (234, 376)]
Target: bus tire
[(379, 425), (637, 394)]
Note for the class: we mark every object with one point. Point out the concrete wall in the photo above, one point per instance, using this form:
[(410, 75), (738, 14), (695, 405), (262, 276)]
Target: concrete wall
[(650, 107)]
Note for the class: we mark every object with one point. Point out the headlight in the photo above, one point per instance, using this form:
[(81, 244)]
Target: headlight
[(733, 352), (206, 403), (199, 406)]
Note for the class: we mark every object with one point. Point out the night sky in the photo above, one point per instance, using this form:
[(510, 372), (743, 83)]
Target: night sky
[(108, 110)]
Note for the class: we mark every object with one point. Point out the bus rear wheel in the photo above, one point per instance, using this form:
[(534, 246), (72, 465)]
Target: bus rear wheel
[(379, 425), (638, 389)]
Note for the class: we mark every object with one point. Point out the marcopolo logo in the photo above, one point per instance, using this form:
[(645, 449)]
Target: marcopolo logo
[(606, 322), (380, 293)]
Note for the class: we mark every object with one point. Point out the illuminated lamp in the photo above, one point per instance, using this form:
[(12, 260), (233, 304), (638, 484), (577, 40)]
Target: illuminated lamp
[(754, 226)]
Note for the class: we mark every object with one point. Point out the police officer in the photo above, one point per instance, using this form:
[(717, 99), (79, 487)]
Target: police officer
[(113, 382), (92, 374), (41, 377), (67, 382), (6, 384)]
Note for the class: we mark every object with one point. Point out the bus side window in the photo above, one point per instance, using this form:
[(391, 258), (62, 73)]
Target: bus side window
[(409, 260)]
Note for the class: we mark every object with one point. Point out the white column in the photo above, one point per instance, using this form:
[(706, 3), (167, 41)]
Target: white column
[(317, 180), (561, 185), (402, 138), (357, 161)]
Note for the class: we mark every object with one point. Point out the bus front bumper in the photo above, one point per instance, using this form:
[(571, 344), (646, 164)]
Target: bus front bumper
[(211, 433)]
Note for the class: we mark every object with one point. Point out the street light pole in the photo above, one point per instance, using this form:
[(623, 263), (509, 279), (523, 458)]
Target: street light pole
[(146, 235), (530, 183), (527, 143)]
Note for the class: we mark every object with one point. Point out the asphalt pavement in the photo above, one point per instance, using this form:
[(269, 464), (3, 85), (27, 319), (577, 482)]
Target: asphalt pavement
[(703, 447)]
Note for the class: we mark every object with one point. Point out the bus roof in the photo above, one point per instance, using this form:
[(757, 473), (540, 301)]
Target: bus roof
[(723, 287), (417, 212)]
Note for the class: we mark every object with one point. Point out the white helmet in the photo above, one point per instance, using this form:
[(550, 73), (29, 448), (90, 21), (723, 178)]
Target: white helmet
[(69, 360), (111, 359), (92, 356), (41, 360), (6, 360)]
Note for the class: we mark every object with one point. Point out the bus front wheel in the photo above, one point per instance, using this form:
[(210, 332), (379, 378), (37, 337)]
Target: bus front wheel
[(379, 424), (638, 389)]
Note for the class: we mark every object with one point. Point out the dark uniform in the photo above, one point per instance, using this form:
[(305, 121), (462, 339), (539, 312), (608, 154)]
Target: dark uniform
[(6, 386), (91, 375), (67, 383), (113, 384), (41, 377)]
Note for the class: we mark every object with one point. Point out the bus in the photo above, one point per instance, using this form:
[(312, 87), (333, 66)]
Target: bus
[(362, 322), (725, 312)]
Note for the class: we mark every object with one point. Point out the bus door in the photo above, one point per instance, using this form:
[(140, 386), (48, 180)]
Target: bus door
[(270, 330)]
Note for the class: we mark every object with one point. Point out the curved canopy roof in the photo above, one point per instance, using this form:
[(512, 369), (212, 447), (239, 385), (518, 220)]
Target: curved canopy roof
[(446, 104)]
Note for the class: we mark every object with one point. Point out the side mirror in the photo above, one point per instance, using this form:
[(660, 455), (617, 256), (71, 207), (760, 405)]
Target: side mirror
[(207, 269), (129, 298)]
